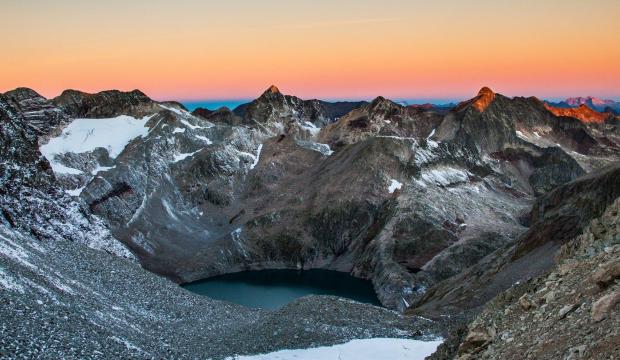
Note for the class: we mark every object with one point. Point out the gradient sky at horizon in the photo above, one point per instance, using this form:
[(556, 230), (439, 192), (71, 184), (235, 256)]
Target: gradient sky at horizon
[(402, 49)]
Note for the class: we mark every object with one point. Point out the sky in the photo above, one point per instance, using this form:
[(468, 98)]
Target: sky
[(348, 49)]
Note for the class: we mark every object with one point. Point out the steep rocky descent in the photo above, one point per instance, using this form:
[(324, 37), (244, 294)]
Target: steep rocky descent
[(56, 306), (30, 198), (557, 218), (572, 313)]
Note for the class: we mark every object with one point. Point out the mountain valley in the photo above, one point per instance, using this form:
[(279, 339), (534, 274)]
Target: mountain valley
[(463, 219)]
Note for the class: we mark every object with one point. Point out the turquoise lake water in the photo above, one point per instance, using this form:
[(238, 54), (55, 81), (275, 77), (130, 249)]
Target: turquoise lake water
[(272, 289)]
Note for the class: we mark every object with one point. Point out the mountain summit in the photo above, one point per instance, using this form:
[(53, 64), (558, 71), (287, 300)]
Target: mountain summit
[(484, 98), (273, 89)]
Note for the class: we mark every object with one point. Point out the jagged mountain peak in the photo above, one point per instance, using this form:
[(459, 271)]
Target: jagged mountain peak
[(481, 102), (381, 102), (486, 91), (273, 89), (272, 93), (484, 99)]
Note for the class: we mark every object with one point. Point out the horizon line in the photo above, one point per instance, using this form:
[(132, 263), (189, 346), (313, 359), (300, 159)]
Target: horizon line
[(419, 99)]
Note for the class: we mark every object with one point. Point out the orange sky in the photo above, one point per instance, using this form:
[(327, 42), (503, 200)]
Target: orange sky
[(192, 49)]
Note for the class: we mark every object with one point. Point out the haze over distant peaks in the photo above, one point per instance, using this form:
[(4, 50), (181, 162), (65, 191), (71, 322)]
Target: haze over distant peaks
[(595, 103)]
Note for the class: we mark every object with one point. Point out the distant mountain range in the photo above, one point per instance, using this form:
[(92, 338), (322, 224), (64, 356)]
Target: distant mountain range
[(604, 105)]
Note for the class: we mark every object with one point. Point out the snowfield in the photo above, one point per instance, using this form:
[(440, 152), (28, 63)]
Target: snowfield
[(366, 349), (84, 135), (394, 185)]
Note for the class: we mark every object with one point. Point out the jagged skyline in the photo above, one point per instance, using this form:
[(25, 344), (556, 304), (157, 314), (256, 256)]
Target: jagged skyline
[(195, 50)]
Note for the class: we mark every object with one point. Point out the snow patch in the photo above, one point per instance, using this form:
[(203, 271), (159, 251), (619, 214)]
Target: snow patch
[(193, 127), (444, 176), (10, 283), (522, 136), (169, 210), (257, 157), (204, 138), (307, 125), (178, 131), (62, 169), (102, 168), (431, 143), (75, 192), (184, 156), (127, 344), (173, 109), (84, 135), (139, 210), (394, 185), (325, 149), (363, 349)]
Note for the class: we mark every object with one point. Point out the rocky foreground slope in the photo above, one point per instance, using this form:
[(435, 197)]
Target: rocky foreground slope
[(573, 234)]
